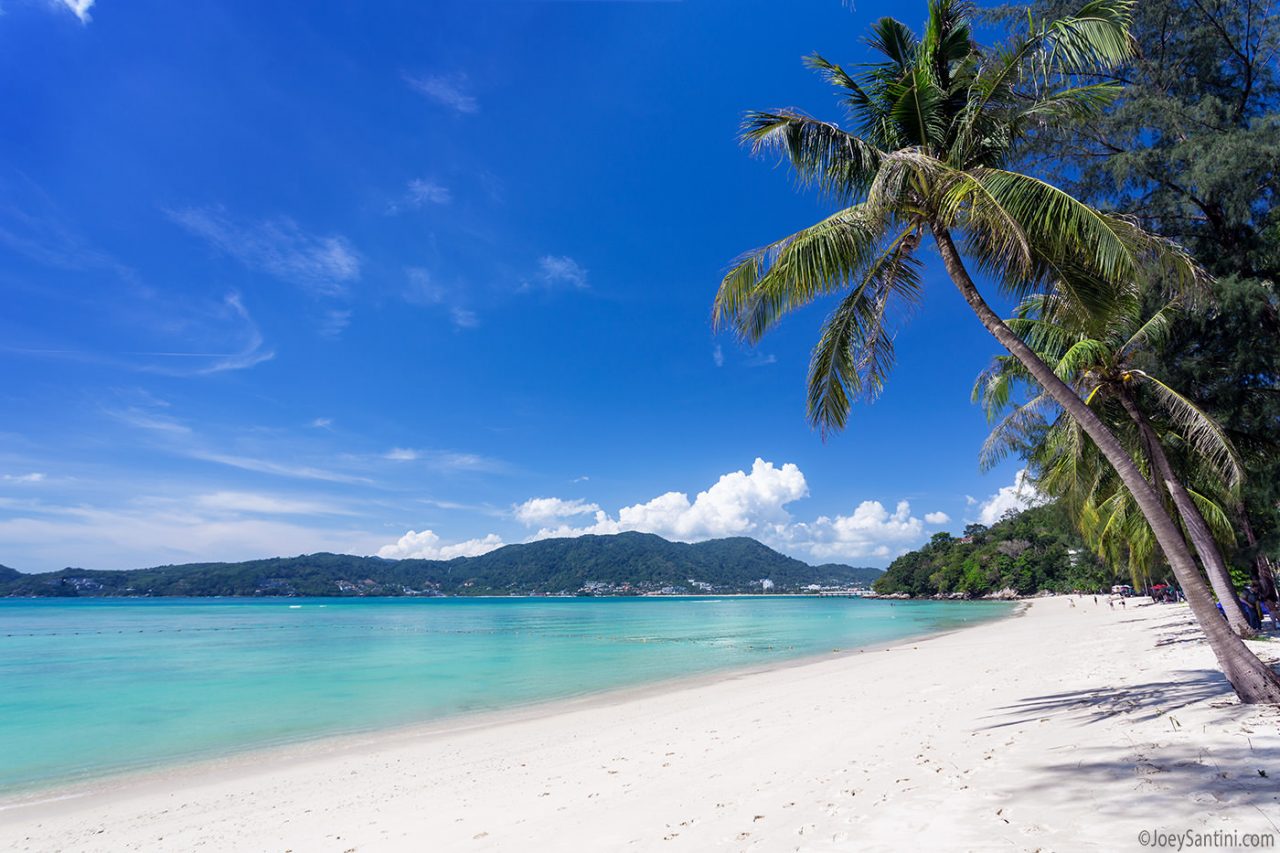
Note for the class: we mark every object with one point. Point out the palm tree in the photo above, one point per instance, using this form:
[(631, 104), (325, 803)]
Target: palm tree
[(938, 122), (1096, 355)]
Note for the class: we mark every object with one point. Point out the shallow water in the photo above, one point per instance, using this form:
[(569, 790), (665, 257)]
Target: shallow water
[(91, 687)]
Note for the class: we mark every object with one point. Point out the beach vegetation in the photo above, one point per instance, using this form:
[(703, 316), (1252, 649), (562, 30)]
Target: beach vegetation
[(934, 149)]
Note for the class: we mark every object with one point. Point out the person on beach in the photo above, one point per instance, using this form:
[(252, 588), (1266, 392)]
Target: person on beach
[(1249, 603)]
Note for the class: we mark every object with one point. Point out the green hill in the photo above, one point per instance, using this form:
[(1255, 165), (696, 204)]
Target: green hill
[(623, 564)]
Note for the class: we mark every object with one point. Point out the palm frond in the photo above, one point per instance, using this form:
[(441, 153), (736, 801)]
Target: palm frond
[(1200, 431), (822, 155), (768, 282), (855, 352)]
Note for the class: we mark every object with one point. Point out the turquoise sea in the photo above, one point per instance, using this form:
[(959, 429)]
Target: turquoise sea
[(93, 687)]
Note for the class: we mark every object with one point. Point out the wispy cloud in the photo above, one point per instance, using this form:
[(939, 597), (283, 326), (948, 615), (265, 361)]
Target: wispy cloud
[(717, 355), (250, 353), (446, 460), (79, 8), (450, 90), (147, 531), (31, 478), (269, 466), (334, 323), (561, 270), (421, 288), (266, 504), (322, 264), (463, 318), (422, 192)]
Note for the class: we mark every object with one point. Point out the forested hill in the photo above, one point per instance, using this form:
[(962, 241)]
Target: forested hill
[(1033, 551), (623, 564)]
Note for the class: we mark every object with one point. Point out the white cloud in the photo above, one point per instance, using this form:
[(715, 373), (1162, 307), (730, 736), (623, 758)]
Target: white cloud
[(334, 323), (422, 192), (79, 8), (555, 270), (870, 531), (427, 546), (717, 355), (261, 504), (1022, 494), (446, 460), (450, 90), (937, 518), (269, 466), (33, 477), (739, 504), (322, 264), (543, 511), (748, 504), (761, 359), (463, 318), (148, 532), (423, 289), (322, 423)]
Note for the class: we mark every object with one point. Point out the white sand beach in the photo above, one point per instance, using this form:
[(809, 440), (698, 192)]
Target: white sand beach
[(1074, 726)]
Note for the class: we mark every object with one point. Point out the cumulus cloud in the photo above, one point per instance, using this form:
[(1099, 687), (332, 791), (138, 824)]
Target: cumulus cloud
[(450, 90), (870, 531), (1022, 494), (937, 517), (428, 546), (323, 264), (739, 504), (745, 503), (543, 511)]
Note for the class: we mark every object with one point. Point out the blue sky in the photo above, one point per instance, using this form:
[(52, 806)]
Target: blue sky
[(423, 278)]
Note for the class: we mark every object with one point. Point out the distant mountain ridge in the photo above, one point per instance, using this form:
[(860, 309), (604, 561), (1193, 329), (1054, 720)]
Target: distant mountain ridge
[(620, 564)]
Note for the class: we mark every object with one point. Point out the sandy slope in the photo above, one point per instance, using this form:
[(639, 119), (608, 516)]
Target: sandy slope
[(1072, 727)]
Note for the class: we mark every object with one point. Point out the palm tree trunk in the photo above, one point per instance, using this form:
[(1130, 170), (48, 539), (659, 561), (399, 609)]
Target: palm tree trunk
[(1197, 528), (1252, 680)]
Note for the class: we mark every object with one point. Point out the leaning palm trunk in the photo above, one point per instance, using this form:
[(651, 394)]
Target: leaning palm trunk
[(940, 120), (1197, 528), (1252, 680)]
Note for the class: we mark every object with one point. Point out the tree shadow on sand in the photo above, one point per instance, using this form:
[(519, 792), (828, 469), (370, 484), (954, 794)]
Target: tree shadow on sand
[(1159, 784), (1136, 701)]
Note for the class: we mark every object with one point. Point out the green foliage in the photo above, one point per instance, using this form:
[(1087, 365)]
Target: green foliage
[(628, 563), (1191, 150), (937, 121), (1035, 550)]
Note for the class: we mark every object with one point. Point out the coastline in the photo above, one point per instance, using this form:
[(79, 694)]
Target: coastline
[(308, 747), (1072, 727)]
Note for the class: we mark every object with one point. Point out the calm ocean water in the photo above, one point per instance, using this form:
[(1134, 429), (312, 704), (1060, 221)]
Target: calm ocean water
[(92, 687)]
